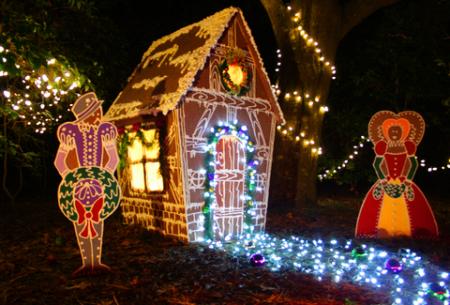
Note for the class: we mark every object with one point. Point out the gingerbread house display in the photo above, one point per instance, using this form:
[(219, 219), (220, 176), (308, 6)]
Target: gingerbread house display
[(197, 123)]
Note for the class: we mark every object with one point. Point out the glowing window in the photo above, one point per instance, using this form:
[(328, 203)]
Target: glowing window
[(143, 155)]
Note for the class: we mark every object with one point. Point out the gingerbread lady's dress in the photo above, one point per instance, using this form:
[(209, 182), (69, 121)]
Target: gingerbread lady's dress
[(395, 206)]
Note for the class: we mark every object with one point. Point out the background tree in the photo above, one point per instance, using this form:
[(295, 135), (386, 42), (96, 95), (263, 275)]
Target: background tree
[(397, 60), (38, 84), (308, 34)]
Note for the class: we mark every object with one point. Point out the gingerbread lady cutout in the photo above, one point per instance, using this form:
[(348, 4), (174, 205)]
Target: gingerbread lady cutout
[(395, 206)]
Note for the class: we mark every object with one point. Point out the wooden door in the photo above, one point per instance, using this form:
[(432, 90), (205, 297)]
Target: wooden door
[(229, 191)]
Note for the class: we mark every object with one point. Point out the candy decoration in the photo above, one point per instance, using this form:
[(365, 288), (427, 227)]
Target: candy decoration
[(438, 292), (359, 253), (393, 265), (257, 260)]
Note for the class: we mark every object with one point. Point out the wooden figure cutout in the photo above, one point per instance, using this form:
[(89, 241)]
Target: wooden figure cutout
[(395, 206), (89, 193)]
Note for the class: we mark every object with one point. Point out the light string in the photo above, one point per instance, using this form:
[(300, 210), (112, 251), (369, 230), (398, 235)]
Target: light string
[(37, 96), (408, 278), (333, 171), (287, 130), (310, 42)]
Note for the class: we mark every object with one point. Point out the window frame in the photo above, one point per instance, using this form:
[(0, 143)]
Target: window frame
[(144, 160)]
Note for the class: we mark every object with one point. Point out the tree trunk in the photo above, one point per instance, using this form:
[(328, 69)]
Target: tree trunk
[(10, 196), (303, 70)]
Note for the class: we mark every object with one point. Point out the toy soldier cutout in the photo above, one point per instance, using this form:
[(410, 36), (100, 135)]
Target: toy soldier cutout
[(86, 160), (395, 206)]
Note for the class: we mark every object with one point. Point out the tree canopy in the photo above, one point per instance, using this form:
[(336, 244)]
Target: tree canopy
[(396, 60)]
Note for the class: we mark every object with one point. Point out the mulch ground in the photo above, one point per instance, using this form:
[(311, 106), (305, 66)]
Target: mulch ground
[(38, 253)]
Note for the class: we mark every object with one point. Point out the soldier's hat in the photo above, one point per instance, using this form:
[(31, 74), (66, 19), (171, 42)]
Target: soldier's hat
[(85, 105)]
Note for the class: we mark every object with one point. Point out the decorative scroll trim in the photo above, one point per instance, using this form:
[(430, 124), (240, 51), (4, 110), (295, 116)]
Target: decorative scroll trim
[(201, 95)]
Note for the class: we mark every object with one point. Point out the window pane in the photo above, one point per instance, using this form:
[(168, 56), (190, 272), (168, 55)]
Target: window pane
[(154, 179), (135, 150), (151, 136), (137, 177)]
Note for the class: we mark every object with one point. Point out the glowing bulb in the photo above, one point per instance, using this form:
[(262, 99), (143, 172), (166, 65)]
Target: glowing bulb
[(236, 74)]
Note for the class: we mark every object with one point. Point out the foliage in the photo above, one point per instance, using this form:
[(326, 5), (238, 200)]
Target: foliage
[(38, 83)]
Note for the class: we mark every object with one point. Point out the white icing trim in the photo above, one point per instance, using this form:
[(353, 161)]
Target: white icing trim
[(211, 29)]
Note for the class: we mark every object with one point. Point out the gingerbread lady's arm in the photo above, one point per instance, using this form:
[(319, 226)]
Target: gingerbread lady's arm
[(380, 149), (411, 150)]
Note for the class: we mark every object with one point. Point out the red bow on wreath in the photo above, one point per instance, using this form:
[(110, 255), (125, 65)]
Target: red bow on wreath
[(89, 217)]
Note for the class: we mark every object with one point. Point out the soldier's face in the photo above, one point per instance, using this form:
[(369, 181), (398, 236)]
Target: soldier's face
[(95, 117)]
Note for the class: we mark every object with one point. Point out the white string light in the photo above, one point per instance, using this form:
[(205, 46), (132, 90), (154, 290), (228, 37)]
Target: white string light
[(307, 98), (310, 42), (38, 94), (415, 282), (333, 171)]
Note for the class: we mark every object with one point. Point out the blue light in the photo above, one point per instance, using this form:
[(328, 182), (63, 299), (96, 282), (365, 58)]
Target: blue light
[(327, 260)]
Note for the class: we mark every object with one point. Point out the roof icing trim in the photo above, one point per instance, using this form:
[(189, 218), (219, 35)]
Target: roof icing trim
[(168, 68), (210, 29)]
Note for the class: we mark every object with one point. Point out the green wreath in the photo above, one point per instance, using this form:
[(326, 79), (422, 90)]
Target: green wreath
[(232, 87), (107, 180)]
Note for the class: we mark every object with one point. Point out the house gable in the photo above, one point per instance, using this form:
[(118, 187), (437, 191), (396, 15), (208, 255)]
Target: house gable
[(171, 65), (237, 36)]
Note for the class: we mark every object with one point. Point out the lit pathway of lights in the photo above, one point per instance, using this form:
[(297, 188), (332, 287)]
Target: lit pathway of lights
[(409, 278)]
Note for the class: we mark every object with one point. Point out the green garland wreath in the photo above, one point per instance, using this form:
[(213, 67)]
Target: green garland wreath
[(235, 58), (107, 180)]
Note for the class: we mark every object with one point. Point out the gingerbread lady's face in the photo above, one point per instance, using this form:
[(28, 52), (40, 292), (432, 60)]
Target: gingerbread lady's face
[(396, 129), (395, 133)]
